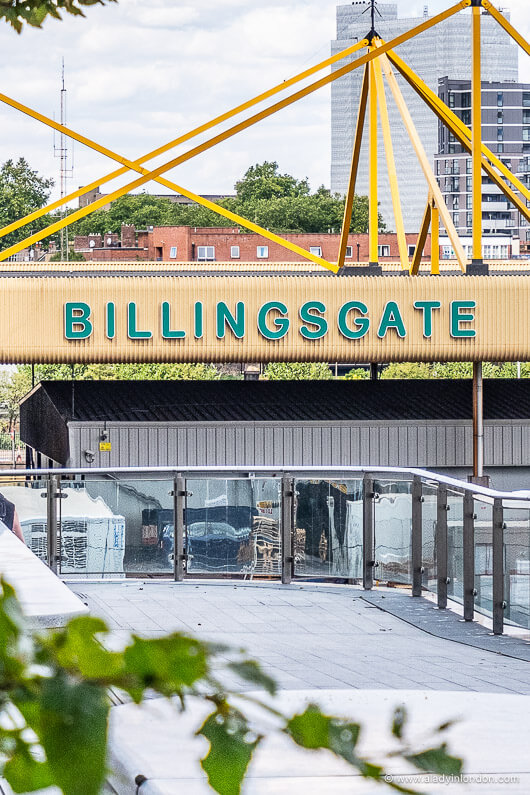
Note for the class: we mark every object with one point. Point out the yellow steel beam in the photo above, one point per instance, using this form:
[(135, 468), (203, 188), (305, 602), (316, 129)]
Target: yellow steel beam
[(476, 134), (428, 23), (135, 165), (463, 135), (391, 167), (452, 120), (373, 205), (422, 237), (516, 36), (350, 195), (425, 163), (435, 240), (217, 209)]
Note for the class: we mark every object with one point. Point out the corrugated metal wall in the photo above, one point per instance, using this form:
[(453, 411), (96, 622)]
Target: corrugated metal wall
[(421, 444)]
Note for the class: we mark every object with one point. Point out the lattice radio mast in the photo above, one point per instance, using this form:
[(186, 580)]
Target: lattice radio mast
[(66, 166)]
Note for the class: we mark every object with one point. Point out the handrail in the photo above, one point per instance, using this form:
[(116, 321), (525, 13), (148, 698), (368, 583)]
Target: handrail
[(223, 471)]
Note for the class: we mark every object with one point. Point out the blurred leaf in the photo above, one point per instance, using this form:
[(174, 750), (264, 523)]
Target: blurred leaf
[(231, 747), (23, 773), (398, 721), (251, 671), (73, 732), (76, 647), (437, 760), (165, 664), (313, 729)]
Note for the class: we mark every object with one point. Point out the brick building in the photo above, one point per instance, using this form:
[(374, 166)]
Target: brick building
[(228, 244)]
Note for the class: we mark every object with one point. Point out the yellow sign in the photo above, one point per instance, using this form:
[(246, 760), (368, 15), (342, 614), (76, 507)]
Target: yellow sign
[(251, 318), (105, 447)]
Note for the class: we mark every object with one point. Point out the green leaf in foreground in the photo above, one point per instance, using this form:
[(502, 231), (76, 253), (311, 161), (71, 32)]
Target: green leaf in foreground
[(77, 647), (73, 732), (398, 721), (231, 747), (437, 760), (26, 774), (168, 665), (251, 671), (312, 729)]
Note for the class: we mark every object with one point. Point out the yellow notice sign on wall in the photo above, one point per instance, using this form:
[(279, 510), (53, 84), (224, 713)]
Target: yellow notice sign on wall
[(105, 447)]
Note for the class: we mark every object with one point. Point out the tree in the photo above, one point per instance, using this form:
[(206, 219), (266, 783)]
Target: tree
[(34, 12), (22, 190), (263, 181), (297, 371), (54, 708)]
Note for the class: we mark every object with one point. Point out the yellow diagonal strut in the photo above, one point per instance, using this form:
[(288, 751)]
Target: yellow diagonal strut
[(237, 128), (348, 204), (135, 165), (516, 36), (463, 135), (425, 164), (391, 168)]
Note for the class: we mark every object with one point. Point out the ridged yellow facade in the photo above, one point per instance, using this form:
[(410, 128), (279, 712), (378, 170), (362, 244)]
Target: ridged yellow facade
[(32, 324)]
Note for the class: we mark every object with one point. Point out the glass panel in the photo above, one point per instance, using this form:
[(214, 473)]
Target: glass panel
[(30, 505), (455, 546), (116, 527), (483, 557), (328, 528), (517, 563), (429, 516), (393, 531), (233, 526)]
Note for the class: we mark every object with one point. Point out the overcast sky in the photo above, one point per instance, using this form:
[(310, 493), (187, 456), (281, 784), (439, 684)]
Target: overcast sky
[(140, 72)]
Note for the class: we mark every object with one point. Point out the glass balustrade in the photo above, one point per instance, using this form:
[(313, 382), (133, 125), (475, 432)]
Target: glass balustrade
[(233, 526), (277, 525), (328, 528), (393, 531)]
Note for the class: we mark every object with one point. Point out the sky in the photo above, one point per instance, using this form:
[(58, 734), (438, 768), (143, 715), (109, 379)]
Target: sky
[(141, 72)]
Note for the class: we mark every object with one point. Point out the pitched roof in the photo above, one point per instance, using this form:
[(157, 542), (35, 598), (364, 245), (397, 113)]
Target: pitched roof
[(282, 401)]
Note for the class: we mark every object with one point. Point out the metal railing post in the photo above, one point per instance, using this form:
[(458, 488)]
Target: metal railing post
[(287, 528), (52, 491), (441, 545), (368, 532), (417, 558), (468, 552), (179, 499), (499, 603)]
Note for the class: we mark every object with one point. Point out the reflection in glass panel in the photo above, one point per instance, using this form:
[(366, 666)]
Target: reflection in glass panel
[(328, 528), (116, 527), (455, 546), (233, 526), (30, 506), (483, 511), (517, 563), (429, 517), (393, 530)]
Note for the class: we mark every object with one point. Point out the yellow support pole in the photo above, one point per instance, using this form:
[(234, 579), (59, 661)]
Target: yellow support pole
[(425, 164), (422, 238), (435, 239), (516, 36), (476, 138), (232, 131), (373, 208), (350, 195), (456, 125), (391, 168)]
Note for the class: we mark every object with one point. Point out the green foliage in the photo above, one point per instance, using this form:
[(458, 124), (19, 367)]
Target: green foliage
[(53, 687), (22, 191), (73, 256), (34, 12), (278, 202), (453, 370), (297, 371), (357, 374)]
